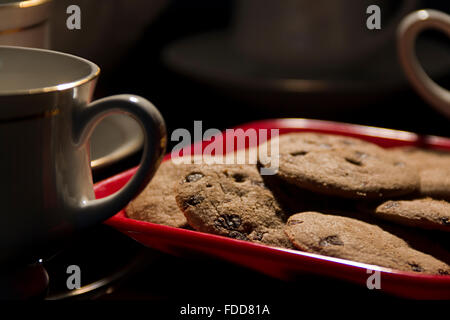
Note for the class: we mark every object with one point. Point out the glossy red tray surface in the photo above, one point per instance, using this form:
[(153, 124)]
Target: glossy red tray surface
[(282, 263)]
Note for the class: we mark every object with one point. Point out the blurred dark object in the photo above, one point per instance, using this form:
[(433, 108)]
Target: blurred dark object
[(314, 60), (313, 36), (183, 99), (211, 59)]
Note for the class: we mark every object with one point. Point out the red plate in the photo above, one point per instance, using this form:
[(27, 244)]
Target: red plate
[(282, 263)]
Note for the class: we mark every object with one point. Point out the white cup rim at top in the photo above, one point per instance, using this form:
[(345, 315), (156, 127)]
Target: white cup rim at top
[(25, 71)]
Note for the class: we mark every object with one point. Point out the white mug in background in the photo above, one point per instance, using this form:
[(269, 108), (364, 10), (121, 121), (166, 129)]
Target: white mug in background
[(25, 23), (318, 34), (46, 119), (408, 31)]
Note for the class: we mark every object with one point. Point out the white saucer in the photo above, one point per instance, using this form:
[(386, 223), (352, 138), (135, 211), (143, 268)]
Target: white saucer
[(211, 59), (114, 139)]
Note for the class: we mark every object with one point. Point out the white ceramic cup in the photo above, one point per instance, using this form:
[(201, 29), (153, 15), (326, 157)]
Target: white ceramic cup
[(408, 31), (46, 119), (25, 23)]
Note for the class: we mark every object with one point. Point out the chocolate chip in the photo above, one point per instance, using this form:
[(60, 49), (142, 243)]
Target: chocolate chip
[(334, 240), (298, 153), (353, 161), (445, 221), (443, 272), (239, 177), (415, 267), (237, 235), (391, 204), (194, 200), (228, 221), (294, 222), (258, 236), (194, 176), (209, 185)]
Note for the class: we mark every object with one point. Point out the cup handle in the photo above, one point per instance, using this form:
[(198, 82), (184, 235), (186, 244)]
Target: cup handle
[(407, 33), (85, 119)]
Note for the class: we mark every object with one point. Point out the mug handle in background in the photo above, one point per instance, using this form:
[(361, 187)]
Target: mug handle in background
[(90, 212), (407, 32)]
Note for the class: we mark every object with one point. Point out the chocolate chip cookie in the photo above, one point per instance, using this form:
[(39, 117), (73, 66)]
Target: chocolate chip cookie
[(232, 201), (422, 158), (157, 202), (435, 182), (426, 213), (351, 239), (342, 166), (294, 199), (433, 167)]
